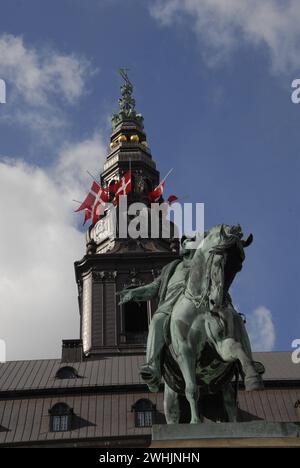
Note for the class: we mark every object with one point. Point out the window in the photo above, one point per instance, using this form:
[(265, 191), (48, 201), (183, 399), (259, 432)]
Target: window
[(143, 418), (135, 322), (60, 417), (148, 185), (66, 372), (144, 413), (60, 423)]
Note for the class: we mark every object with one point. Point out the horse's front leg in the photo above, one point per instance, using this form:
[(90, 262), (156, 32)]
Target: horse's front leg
[(171, 405), (221, 332), (187, 364), (231, 350), (183, 316)]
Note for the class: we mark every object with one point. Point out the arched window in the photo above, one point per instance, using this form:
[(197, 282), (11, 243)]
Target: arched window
[(144, 413), (60, 417), (110, 185), (66, 372)]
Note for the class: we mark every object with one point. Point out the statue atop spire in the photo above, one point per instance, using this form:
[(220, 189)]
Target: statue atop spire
[(126, 103)]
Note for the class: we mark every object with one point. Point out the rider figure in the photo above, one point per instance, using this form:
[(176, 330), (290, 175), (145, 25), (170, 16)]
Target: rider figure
[(168, 287)]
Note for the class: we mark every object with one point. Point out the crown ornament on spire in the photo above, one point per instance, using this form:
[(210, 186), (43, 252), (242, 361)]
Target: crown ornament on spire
[(126, 103)]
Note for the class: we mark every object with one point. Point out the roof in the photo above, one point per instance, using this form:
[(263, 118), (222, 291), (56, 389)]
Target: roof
[(104, 372), (96, 417), (114, 371), (102, 417), (104, 393)]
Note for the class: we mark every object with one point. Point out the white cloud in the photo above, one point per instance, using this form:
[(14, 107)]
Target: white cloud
[(73, 160), (39, 242), (261, 329), (39, 81), (222, 25)]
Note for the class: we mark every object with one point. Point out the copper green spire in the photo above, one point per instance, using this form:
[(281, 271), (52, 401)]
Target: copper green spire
[(126, 103)]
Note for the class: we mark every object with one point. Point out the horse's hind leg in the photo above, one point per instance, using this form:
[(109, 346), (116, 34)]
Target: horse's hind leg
[(171, 406)]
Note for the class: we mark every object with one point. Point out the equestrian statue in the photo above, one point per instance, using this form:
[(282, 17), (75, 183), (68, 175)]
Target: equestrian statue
[(197, 341)]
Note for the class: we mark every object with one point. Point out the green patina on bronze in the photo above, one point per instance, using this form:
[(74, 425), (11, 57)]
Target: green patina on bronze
[(197, 341), (126, 104)]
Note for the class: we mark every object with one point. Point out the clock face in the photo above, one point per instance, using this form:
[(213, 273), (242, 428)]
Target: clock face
[(103, 229)]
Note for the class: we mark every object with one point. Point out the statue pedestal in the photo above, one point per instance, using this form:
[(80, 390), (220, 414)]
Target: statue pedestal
[(244, 434)]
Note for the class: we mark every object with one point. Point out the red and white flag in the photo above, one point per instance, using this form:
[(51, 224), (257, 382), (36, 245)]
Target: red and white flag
[(97, 211), (123, 187), (95, 194), (87, 215), (94, 203), (156, 194), (172, 199), (94, 213)]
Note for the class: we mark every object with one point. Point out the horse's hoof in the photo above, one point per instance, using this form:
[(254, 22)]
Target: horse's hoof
[(195, 421), (150, 377), (254, 383)]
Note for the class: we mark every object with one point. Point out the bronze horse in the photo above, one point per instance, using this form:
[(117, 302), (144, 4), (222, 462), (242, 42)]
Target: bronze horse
[(207, 343)]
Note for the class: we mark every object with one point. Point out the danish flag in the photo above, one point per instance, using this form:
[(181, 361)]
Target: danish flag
[(172, 199), (122, 187), (94, 203), (87, 215), (156, 194), (95, 194)]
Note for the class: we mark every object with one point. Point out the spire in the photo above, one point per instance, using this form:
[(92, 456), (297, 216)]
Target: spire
[(126, 104)]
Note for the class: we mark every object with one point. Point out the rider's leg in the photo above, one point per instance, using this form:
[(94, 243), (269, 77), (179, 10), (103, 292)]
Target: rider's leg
[(151, 371), (156, 338)]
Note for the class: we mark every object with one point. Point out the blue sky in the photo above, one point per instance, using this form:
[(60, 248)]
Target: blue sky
[(213, 81)]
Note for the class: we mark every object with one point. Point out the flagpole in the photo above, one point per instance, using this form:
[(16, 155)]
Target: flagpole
[(91, 175), (167, 174), (164, 179)]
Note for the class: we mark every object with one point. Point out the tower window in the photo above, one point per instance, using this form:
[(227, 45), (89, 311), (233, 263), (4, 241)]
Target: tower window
[(144, 413), (60, 417), (148, 185), (66, 372), (135, 316)]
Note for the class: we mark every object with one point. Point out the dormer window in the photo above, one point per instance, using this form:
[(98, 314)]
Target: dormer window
[(66, 372), (144, 413), (60, 417)]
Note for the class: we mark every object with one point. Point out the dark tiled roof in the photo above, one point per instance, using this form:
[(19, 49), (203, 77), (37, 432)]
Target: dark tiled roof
[(104, 394), (279, 365), (108, 371), (108, 416), (114, 371), (95, 416)]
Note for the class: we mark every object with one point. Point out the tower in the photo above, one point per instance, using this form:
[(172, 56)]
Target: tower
[(113, 262)]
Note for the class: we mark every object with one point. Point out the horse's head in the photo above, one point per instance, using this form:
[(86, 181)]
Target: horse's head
[(223, 237), (227, 241)]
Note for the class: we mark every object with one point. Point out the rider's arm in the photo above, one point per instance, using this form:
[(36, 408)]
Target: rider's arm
[(144, 293), (216, 295)]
